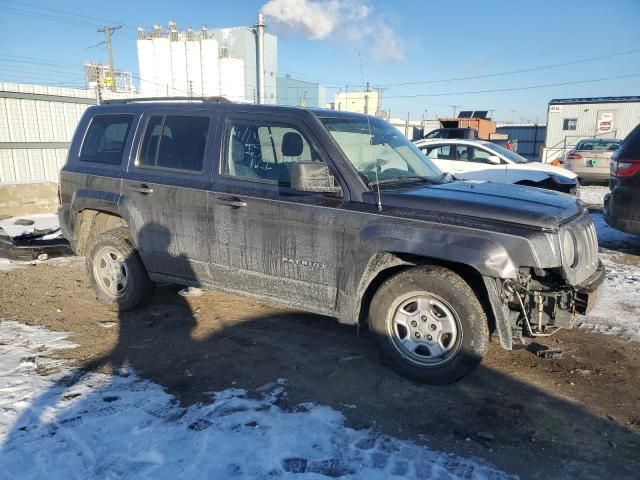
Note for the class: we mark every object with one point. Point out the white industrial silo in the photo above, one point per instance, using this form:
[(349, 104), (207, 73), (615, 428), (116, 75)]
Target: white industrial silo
[(162, 59), (194, 68), (179, 86), (232, 80), (210, 65), (146, 65)]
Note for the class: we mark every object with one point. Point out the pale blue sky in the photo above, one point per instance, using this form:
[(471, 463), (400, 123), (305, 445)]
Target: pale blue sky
[(434, 41)]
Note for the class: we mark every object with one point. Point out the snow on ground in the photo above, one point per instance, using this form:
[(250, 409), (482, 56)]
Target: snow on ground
[(593, 195), (57, 423), (618, 308), (7, 264), (38, 221)]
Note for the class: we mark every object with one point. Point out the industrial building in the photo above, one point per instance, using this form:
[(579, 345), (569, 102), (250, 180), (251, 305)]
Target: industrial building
[(571, 119), (98, 75), (36, 126), (358, 102), (299, 93), (206, 62), (527, 139)]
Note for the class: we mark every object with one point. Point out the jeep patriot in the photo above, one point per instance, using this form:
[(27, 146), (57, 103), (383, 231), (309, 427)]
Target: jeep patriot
[(331, 212)]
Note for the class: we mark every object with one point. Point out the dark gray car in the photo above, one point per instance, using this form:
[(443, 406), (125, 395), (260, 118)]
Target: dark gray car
[(331, 212)]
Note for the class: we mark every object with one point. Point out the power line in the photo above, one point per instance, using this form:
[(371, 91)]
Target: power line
[(511, 72), (528, 87), (31, 5)]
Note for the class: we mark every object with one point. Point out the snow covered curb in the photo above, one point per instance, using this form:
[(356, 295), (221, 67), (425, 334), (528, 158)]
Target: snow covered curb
[(55, 423)]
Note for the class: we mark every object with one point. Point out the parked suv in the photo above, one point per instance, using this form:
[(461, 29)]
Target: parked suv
[(331, 212), (622, 205)]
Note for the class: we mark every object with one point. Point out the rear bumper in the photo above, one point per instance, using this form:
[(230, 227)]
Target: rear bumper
[(621, 211), (29, 249), (594, 174), (589, 292)]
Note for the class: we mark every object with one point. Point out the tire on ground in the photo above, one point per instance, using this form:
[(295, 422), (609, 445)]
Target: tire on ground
[(472, 344), (139, 289)]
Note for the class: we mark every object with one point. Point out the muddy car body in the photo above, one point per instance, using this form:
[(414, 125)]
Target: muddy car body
[(330, 212)]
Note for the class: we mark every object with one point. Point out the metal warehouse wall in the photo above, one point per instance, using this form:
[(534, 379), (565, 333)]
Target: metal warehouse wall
[(626, 115), (530, 138), (36, 126)]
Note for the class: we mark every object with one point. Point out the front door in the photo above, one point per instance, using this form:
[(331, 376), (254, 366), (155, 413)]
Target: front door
[(271, 241), (165, 193)]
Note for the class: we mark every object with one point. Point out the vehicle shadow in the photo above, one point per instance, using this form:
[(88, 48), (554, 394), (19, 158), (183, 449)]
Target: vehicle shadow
[(190, 354)]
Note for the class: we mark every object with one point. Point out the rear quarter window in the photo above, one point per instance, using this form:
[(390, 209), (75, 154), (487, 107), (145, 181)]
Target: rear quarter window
[(106, 138)]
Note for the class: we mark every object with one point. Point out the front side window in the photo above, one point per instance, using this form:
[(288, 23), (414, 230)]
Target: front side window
[(467, 153), (569, 123), (106, 139), (265, 151), (380, 153), (440, 152), (175, 142)]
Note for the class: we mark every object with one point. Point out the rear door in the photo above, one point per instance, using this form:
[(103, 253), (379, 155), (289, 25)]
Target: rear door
[(165, 192), (441, 155), (269, 240)]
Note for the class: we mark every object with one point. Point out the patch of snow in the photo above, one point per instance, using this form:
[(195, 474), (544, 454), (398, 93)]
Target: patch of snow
[(618, 308), (66, 425), (7, 264), (609, 237), (593, 195), (41, 221)]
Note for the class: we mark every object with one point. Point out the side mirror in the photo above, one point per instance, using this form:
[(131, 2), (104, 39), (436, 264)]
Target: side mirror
[(495, 159), (312, 177)]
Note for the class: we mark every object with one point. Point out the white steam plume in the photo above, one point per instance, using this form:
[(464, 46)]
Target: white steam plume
[(350, 20)]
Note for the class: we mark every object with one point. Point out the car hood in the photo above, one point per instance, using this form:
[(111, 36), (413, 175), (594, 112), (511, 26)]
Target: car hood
[(494, 201), (543, 167)]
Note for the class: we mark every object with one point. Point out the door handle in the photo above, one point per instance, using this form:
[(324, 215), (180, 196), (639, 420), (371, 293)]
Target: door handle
[(234, 202), (143, 189)]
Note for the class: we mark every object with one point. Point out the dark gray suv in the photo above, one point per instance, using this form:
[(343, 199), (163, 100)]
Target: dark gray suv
[(330, 212)]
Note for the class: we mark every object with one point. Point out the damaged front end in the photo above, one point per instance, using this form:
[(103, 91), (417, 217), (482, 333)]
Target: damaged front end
[(541, 303)]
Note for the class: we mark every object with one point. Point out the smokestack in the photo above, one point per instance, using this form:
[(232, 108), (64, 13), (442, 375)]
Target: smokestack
[(260, 55)]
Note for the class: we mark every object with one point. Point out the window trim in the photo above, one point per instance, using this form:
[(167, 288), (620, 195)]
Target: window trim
[(124, 144), (137, 164), (224, 150)]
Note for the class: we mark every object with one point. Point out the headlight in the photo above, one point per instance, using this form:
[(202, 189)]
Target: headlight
[(569, 249)]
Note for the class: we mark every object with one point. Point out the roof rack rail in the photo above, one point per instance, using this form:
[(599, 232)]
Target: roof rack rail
[(168, 99)]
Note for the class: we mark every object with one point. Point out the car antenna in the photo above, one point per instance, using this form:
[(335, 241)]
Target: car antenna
[(370, 135)]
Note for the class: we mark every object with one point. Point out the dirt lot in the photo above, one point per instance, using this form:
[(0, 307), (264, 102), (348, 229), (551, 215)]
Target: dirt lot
[(577, 416)]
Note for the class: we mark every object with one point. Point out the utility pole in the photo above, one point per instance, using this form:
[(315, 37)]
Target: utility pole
[(513, 116), (455, 107), (107, 30)]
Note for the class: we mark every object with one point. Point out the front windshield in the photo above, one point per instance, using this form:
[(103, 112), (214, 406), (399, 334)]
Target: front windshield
[(513, 156), (380, 153)]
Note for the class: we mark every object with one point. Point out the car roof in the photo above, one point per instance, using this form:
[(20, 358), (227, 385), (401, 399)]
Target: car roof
[(141, 105), (461, 141), (601, 140)]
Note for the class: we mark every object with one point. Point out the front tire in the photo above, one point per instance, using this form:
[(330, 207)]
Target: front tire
[(429, 325), (116, 271)]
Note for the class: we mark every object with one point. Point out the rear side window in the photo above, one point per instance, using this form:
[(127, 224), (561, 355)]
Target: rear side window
[(175, 142), (106, 139)]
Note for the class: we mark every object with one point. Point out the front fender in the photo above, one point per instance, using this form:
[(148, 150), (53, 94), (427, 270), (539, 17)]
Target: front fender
[(484, 251)]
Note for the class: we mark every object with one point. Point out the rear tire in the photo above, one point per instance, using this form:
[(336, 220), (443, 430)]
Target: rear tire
[(116, 271), (429, 325)]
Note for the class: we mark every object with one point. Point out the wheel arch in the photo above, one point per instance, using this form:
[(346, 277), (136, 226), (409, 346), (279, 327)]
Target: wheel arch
[(92, 222), (384, 265)]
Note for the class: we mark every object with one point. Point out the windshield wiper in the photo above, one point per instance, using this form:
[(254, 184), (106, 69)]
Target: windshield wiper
[(403, 179)]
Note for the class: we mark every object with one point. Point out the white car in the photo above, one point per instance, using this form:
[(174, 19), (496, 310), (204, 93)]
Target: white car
[(482, 160)]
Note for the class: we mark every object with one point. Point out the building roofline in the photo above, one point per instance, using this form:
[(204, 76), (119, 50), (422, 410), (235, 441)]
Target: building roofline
[(574, 101)]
